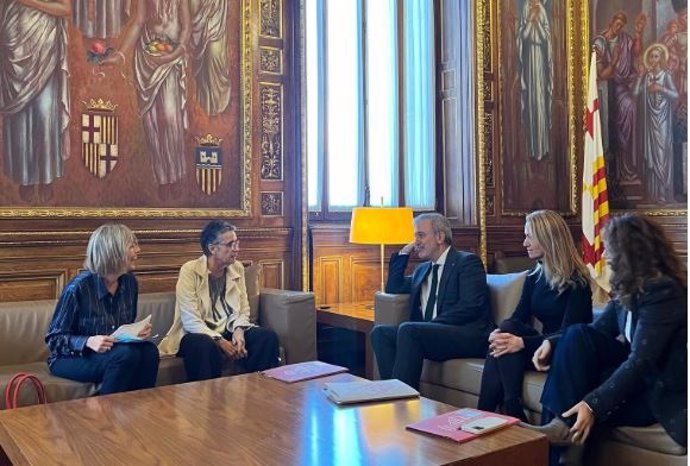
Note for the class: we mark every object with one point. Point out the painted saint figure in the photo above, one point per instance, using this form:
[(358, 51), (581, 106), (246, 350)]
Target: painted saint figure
[(210, 54), (161, 30), (34, 93), (676, 40), (657, 94), (535, 70), (616, 52)]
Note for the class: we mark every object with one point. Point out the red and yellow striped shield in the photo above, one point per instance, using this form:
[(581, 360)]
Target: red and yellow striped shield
[(99, 137), (209, 163)]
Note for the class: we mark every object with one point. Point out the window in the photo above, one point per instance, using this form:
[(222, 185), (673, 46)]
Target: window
[(370, 93)]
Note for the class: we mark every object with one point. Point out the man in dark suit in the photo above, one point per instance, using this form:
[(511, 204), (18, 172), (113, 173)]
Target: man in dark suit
[(449, 305)]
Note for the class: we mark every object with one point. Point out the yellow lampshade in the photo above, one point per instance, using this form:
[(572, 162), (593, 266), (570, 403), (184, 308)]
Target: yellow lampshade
[(381, 225)]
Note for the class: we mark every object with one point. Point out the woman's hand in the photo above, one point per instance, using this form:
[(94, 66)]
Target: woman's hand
[(228, 348), (505, 343), (492, 335), (100, 343), (542, 356), (583, 424), (238, 341)]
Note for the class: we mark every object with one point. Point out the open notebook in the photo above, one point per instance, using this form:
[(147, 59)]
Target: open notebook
[(368, 390), (464, 424), (303, 371)]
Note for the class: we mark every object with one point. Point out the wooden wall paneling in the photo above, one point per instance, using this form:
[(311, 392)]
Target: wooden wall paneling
[(32, 285), (344, 272), (273, 273), (330, 277), (366, 277)]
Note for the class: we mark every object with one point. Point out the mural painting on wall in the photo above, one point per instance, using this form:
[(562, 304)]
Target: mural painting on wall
[(108, 102), (642, 71), (533, 55)]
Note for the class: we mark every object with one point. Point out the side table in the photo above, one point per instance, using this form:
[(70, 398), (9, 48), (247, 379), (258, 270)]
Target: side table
[(358, 317)]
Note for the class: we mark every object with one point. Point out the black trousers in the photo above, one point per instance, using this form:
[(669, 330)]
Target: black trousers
[(401, 350), (127, 366), (503, 376), (583, 360), (203, 358)]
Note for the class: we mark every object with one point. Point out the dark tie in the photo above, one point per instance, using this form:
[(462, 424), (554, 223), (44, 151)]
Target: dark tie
[(431, 302)]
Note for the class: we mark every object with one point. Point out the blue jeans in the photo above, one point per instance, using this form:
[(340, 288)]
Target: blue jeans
[(127, 366)]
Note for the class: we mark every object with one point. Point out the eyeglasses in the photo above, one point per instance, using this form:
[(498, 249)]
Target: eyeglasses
[(235, 244)]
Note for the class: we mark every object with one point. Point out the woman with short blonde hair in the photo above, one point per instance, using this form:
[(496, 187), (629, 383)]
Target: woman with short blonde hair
[(106, 252), (556, 292), (92, 306)]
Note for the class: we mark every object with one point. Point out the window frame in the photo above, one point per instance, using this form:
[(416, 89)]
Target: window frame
[(323, 213)]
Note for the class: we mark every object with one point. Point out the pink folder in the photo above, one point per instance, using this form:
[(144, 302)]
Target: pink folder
[(449, 425)]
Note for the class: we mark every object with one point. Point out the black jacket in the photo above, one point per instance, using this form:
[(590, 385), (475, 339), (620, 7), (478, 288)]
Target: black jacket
[(658, 356), (463, 295)]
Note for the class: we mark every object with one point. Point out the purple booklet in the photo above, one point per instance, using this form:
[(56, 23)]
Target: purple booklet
[(303, 371)]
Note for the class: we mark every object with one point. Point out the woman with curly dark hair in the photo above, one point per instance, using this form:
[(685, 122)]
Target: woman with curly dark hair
[(629, 367)]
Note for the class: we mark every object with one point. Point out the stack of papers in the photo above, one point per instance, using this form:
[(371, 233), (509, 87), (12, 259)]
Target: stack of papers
[(303, 371), (376, 390)]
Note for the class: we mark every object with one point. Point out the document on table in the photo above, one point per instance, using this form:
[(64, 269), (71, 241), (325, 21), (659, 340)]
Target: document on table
[(369, 390), (129, 332)]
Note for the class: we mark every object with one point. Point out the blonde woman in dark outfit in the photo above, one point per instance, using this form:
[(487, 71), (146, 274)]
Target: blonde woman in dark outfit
[(556, 292)]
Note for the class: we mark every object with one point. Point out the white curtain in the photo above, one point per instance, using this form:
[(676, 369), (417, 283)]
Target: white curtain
[(419, 104)]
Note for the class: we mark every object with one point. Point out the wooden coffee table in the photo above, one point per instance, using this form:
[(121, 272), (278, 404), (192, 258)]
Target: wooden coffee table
[(246, 420)]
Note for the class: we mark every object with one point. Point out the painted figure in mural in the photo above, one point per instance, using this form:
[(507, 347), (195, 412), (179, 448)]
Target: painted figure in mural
[(657, 94), (616, 53), (101, 18), (159, 36), (535, 70), (34, 94), (210, 54), (676, 40)]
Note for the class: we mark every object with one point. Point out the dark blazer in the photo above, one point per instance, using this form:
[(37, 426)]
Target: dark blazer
[(463, 295), (658, 356)]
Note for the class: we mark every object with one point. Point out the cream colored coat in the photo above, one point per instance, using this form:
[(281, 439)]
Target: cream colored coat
[(193, 302)]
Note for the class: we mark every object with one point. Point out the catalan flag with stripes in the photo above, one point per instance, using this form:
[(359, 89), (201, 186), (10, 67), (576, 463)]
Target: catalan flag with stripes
[(595, 204)]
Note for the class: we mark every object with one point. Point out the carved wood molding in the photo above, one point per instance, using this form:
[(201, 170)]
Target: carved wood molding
[(271, 98)]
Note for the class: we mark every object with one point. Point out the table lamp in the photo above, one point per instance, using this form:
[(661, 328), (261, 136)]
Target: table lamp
[(381, 225)]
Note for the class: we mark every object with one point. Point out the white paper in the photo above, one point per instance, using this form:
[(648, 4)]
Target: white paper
[(130, 332), (353, 392)]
